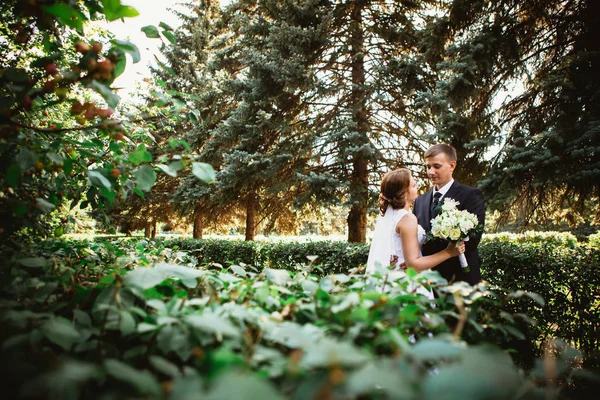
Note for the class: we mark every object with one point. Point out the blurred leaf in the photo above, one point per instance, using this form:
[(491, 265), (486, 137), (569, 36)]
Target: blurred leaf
[(120, 66), (67, 15), (114, 10), (236, 386), (434, 349), (170, 37), (61, 331), (126, 323), (109, 96), (373, 378), (164, 366), (34, 262), (12, 175), (479, 373), (55, 158), (44, 205), (151, 31), (278, 276), (203, 171), (25, 159), (165, 26), (97, 179), (128, 48), (329, 352), (140, 155), (144, 177), (172, 168), (142, 381), (213, 323)]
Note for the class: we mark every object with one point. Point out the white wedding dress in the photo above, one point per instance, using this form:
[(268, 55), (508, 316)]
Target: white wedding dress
[(387, 243)]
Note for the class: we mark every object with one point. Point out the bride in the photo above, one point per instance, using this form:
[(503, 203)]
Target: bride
[(398, 237)]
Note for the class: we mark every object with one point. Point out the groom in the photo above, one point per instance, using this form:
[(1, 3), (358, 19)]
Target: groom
[(441, 161)]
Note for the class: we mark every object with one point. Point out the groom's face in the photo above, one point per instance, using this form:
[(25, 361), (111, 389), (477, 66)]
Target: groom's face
[(439, 169)]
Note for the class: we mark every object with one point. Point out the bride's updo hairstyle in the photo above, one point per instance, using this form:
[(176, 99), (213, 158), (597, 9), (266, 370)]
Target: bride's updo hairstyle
[(394, 187)]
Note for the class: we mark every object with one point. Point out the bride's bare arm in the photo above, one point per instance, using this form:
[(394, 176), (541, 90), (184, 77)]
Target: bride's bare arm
[(407, 229)]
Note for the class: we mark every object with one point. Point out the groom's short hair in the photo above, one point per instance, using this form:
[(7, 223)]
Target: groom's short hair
[(445, 148)]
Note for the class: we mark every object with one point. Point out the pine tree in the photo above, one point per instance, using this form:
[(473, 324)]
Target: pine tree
[(550, 148)]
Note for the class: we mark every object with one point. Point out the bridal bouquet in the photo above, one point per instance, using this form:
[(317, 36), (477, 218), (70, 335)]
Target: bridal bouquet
[(454, 225)]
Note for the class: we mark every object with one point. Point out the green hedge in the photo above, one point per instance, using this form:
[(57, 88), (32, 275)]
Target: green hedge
[(332, 257), (568, 278), (554, 265)]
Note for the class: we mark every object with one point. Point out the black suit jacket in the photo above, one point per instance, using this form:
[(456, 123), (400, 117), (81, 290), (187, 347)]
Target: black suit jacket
[(470, 199)]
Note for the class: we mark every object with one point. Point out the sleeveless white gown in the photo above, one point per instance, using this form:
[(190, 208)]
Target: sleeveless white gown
[(387, 243)]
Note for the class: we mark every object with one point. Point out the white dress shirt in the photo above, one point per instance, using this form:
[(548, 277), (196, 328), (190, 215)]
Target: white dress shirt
[(444, 189)]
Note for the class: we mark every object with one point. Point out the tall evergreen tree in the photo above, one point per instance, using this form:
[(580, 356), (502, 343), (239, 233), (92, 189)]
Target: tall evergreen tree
[(547, 129), (365, 107)]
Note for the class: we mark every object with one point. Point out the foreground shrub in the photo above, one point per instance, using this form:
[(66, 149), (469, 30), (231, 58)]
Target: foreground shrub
[(140, 320)]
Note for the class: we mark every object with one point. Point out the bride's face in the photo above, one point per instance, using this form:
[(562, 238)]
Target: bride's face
[(412, 191)]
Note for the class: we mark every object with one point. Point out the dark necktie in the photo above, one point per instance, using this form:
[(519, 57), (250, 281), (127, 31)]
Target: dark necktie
[(435, 203)]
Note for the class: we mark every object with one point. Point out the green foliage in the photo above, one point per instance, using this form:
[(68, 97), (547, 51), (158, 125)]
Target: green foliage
[(554, 265), (567, 277), (63, 141), (137, 319)]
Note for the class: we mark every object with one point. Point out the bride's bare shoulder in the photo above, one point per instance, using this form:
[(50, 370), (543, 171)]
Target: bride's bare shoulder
[(407, 222)]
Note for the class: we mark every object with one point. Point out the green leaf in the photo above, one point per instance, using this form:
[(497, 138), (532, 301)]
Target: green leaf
[(332, 352), (127, 47), (138, 192), (34, 262), (56, 158), (144, 177), (482, 374), (172, 168), (374, 378), (203, 171), (44, 205), (213, 323), (109, 96), (147, 277), (61, 331), (237, 386), (142, 381), (140, 155), (151, 31), (165, 26), (67, 15), (25, 159), (12, 175), (278, 276), (97, 179), (170, 36), (108, 194), (163, 365), (113, 10), (126, 323), (144, 277), (174, 143), (120, 66), (434, 349)]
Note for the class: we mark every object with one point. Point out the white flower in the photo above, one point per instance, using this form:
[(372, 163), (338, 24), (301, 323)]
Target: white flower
[(453, 224), (449, 204)]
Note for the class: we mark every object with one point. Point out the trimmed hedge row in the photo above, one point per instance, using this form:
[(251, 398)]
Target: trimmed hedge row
[(554, 265), (331, 257)]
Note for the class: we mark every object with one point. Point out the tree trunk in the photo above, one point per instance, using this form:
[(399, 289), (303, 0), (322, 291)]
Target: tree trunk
[(357, 218), (148, 229), (153, 230), (251, 208), (198, 227)]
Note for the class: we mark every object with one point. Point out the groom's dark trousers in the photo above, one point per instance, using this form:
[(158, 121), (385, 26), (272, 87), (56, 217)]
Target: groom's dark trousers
[(470, 199)]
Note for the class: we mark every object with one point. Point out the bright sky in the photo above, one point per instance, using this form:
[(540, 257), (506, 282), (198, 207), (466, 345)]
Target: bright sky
[(152, 12)]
